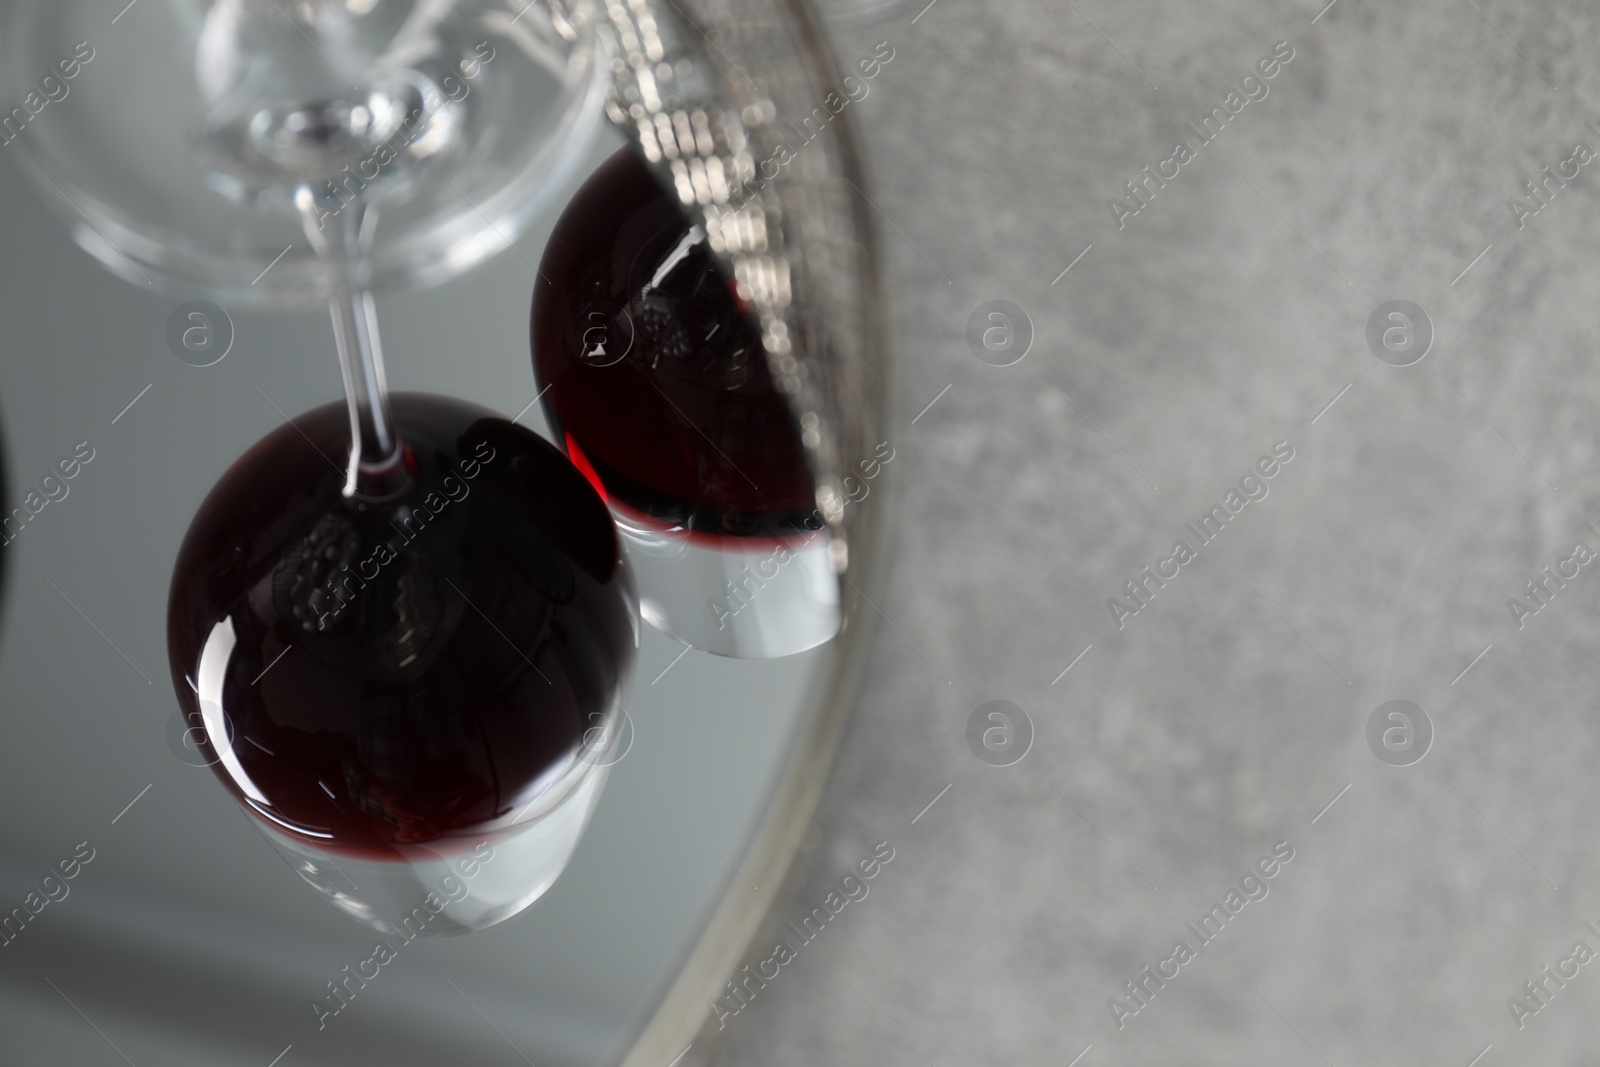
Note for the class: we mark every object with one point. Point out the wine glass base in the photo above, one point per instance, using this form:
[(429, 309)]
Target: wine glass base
[(750, 598), (454, 885)]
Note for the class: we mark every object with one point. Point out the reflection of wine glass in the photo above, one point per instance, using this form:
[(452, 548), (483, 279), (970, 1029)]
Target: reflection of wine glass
[(395, 621), (657, 383)]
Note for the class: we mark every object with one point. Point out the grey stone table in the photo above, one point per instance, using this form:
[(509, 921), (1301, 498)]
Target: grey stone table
[(1231, 712)]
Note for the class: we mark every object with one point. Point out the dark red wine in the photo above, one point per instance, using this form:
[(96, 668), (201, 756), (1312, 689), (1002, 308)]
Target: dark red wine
[(397, 672), (656, 379)]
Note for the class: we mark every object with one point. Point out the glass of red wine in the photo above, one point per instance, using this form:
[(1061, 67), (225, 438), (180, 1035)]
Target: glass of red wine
[(401, 627), (655, 379), (706, 330), (400, 688)]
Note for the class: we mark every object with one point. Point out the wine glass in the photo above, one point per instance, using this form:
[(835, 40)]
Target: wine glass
[(401, 628), (706, 344), (655, 379)]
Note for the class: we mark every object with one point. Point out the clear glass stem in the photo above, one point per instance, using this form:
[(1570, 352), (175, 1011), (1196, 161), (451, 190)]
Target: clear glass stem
[(376, 468), (377, 455)]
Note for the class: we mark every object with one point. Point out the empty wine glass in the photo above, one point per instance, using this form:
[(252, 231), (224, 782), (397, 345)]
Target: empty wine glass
[(402, 627)]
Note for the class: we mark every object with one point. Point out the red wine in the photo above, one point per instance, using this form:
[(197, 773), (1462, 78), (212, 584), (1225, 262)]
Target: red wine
[(655, 377), (397, 672)]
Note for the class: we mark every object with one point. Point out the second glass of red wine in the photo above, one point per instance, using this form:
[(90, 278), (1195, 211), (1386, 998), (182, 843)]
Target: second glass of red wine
[(655, 381)]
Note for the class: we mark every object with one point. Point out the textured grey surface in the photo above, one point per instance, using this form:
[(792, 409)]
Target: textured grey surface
[(1229, 713)]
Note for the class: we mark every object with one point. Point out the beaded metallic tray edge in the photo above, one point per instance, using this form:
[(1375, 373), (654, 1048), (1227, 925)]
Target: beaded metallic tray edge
[(704, 89)]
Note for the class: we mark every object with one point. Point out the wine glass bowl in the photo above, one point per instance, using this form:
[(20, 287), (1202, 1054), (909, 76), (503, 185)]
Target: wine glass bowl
[(388, 685), (191, 141), (657, 383)]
